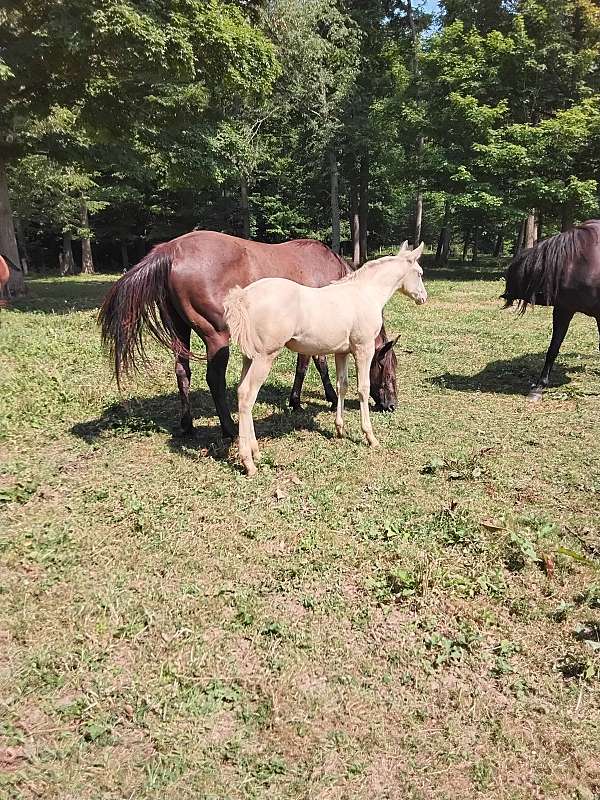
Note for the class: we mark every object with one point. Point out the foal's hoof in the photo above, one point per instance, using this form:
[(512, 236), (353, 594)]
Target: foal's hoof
[(339, 432), (250, 470), (535, 395), (373, 442)]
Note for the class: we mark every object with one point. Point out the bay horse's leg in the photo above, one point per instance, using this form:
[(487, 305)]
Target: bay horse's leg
[(321, 364), (363, 358), (561, 319), (301, 367), (302, 363), (184, 377), (341, 369), (254, 375), (217, 353)]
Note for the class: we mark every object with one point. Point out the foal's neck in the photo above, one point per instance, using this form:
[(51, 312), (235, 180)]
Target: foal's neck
[(385, 278)]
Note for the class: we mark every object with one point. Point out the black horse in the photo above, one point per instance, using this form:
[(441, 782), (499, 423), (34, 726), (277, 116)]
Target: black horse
[(562, 271)]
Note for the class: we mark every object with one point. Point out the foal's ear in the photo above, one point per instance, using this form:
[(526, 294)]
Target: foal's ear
[(416, 254), (403, 246)]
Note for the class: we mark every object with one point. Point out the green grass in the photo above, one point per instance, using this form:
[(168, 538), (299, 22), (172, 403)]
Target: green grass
[(420, 621)]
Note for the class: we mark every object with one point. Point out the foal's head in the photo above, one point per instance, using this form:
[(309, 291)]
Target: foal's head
[(383, 375), (412, 283)]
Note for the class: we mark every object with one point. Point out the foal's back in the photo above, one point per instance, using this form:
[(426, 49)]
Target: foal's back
[(311, 321)]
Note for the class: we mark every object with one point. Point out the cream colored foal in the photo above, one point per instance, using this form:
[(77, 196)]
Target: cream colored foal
[(341, 318)]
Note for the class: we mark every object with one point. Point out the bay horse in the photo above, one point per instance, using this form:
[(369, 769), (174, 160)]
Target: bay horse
[(562, 271), (180, 286), (341, 318), (4, 278)]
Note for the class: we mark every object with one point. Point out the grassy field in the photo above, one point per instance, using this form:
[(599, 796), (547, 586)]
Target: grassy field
[(421, 621)]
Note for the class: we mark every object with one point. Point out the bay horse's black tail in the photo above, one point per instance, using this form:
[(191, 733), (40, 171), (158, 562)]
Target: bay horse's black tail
[(534, 275), (138, 300)]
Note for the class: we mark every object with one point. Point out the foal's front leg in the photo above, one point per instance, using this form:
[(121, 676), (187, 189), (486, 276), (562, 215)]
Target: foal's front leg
[(341, 369), (363, 358)]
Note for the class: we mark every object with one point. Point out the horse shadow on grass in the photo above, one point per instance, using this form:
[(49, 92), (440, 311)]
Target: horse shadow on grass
[(145, 416), (509, 376)]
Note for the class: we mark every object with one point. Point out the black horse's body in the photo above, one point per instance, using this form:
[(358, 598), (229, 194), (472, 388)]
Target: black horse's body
[(562, 271)]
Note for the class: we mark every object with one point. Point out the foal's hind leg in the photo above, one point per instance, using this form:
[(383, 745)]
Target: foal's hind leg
[(561, 319), (254, 375), (341, 369), (363, 358)]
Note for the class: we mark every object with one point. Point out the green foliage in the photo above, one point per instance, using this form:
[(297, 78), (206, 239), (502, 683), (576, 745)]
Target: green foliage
[(160, 116)]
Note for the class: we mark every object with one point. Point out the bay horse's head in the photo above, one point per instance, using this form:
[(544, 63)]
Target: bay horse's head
[(383, 374)]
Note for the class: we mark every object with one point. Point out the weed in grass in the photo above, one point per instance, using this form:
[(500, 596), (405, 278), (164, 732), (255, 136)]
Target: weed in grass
[(443, 650), (19, 493)]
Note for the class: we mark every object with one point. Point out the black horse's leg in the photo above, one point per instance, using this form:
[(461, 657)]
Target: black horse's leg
[(321, 365), (302, 363), (217, 352), (598, 324), (561, 319)]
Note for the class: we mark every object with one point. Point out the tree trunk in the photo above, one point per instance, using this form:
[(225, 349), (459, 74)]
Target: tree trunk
[(419, 197), (567, 218), (499, 245), (418, 218), (124, 255), (466, 244), (244, 207), (66, 260), (529, 235), (22, 246), (520, 238), (443, 239), (475, 252), (354, 223), (8, 240), (540, 226), (440, 244), (446, 245), (363, 207), (335, 201), (87, 262)]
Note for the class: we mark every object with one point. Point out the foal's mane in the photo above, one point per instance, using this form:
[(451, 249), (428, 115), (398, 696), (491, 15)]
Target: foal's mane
[(539, 269), (357, 274)]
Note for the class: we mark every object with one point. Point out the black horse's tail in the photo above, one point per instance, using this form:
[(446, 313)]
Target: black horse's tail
[(138, 300), (534, 275)]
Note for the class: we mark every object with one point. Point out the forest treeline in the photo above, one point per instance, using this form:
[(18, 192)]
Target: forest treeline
[(357, 122)]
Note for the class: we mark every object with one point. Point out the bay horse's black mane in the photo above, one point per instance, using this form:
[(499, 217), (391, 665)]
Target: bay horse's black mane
[(534, 275)]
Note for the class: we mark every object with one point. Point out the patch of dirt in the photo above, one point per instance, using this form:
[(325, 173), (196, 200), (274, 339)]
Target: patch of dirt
[(12, 758)]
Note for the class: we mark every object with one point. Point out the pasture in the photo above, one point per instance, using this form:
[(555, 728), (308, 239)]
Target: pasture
[(418, 621)]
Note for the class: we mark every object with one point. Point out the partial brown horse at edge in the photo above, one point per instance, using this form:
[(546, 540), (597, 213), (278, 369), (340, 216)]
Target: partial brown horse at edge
[(4, 278), (180, 286)]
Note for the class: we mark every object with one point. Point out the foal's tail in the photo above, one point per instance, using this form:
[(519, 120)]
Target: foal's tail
[(140, 299), (238, 321)]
